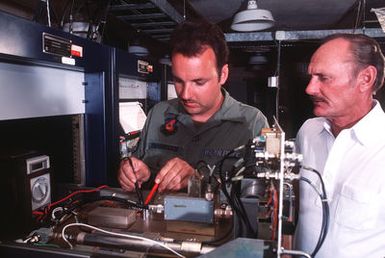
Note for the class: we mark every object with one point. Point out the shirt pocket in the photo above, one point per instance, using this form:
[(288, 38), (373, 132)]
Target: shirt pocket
[(357, 209), (158, 154)]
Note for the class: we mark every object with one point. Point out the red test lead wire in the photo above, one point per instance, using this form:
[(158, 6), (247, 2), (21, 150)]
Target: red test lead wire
[(151, 194)]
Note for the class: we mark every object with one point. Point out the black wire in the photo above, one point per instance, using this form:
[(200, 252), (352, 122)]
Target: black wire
[(38, 12), (223, 184), (245, 218), (138, 191), (65, 10), (319, 176), (235, 202), (325, 222), (325, 210), (239, 205), (202, 164), (128, 203), (103, 20), (241, 216)]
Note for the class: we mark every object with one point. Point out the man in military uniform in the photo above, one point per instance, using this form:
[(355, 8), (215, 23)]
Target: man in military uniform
[(203, 123)]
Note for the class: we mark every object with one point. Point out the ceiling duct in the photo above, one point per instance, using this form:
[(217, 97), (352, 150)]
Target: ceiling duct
[(216, 11)]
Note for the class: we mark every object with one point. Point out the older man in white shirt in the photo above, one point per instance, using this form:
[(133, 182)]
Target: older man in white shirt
[(346, 144)]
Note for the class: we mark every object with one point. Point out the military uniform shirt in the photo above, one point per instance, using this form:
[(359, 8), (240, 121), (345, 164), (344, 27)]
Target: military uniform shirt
[(233, 125)]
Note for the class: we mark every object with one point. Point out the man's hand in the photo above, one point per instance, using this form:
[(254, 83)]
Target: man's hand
[(174, 175), (128, 174)]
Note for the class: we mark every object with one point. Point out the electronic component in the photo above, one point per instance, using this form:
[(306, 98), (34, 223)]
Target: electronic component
[(194, 228), (277, 159), (40, 181), (25, 186), (188, 209), (112, 217)]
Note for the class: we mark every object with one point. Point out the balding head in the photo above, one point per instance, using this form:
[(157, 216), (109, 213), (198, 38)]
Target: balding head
[(364, 52)]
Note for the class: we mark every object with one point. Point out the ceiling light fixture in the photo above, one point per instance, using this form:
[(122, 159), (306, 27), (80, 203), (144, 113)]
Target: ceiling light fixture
[(138, 50), (380, 13), (252, 19), (165, 60), (257, 59)]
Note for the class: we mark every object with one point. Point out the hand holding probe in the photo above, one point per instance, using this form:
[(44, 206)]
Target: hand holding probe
[(137, 189)]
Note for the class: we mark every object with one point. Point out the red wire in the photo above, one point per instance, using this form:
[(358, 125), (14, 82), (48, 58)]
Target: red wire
[(37, 213), (151, 194), (74, 193)]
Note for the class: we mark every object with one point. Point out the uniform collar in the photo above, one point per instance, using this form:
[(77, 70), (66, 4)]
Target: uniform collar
[(228, 111)]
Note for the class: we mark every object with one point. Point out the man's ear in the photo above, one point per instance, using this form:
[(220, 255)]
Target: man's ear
[(224, 74), (367, 78)]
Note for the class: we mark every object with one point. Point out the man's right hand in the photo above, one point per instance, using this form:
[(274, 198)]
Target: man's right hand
[(128, 174)]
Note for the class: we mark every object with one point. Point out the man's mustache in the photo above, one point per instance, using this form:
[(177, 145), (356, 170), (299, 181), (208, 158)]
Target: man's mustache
[(317, 99), (187, 101)]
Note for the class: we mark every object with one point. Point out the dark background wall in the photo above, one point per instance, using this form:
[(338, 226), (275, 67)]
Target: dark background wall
[(249, 85)]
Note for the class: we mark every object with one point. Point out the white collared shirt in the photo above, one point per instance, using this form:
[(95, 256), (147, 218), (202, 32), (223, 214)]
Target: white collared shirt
[(352, 166)]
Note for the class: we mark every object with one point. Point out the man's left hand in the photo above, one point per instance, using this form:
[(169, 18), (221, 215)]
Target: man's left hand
[(174, 175)]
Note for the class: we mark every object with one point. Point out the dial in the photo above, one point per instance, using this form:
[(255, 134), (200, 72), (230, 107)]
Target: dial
[(40, 189)]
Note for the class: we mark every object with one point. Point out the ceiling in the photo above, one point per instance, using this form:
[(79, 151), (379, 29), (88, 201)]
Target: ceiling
[(158, 17), (154, 20)]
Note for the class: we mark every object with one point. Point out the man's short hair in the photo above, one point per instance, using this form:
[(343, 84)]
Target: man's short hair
[(365, 51), (192, 38)]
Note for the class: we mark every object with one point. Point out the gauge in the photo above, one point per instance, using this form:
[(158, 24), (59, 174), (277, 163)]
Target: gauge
[(40, 191)]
